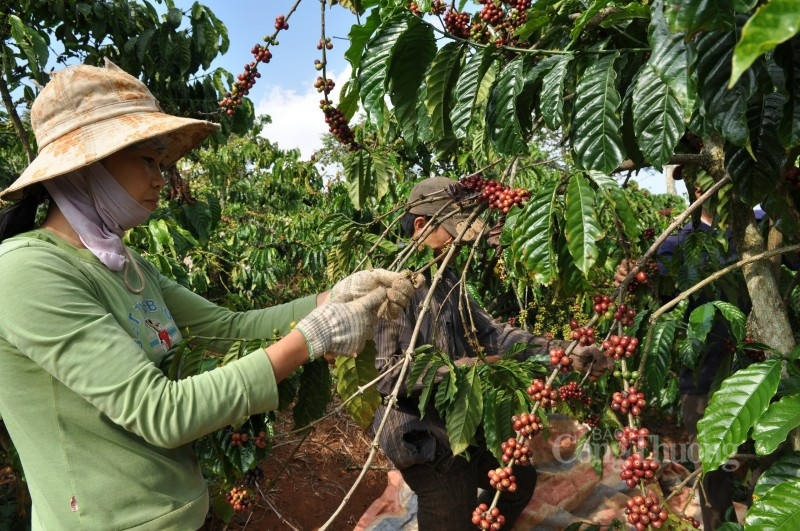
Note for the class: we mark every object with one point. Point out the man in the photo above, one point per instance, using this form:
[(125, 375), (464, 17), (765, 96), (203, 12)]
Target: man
[(446, 485)]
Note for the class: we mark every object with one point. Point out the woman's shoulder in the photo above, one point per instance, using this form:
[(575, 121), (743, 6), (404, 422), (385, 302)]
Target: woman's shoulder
[(35, 247)]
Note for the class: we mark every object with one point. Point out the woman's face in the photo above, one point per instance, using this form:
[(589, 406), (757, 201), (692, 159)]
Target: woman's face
[(138, 171)]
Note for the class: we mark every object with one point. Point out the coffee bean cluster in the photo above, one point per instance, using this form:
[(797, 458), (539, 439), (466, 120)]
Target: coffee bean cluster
[(261, 440), (486, 518), (491, 13), (338, 126), (325, 43), (631, 436), (584, 336), (499, 196), (502, 478), (543, 393), (253, 478), (638, 468), (624, 315), (324, 85), (630, 400), (572, 392), (239, 498), (618, 346), (643, 511), (238, 439), (692, 521), (519, 452), (558, 356), (754, 355), (457, 24), (526, 424), (280, 23)]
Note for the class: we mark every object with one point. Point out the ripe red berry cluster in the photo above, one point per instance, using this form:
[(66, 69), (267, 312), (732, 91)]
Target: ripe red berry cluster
[(261, 440), (500, 196), (414, 8), (648, 233), (239, 498), (602, 303), (491, 13), (558, 356), (502, 478), (280, 23), (691, 520), (526, 424), (324, 85), (237, 439), (438, 7), (326, 43), (624, 315), (241, 87), (592, 420), (457, 24), (520, 453), (542, 393), (645, 511), (631, 436), (637, 468), (618, 346), (754, 355), (584, 336), (572, 392), (262, 55), (629, 400), (338, 126), (487, 519)]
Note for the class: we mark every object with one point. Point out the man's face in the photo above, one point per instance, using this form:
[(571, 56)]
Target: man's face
[(437, 239)]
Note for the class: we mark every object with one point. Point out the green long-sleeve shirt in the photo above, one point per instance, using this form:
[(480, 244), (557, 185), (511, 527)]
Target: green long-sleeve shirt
[(101, 432)]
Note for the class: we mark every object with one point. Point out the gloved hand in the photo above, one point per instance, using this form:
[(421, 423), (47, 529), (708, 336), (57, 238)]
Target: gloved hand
[(399, 289), (342, 328)]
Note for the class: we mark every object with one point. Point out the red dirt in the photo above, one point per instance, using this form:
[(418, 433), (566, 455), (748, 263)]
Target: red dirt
[(304, 486)]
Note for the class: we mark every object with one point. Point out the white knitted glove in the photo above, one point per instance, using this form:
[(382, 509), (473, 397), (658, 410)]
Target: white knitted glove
[(342, 328), (399, 289)]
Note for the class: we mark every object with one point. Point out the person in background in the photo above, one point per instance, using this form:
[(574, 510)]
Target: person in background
[(446, 485), (103, 435)]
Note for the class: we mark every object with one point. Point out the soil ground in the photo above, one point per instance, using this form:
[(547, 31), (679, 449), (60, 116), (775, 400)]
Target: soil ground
[(304, 485)]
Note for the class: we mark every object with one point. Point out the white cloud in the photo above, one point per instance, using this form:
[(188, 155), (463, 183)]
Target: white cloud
[(297, 120)]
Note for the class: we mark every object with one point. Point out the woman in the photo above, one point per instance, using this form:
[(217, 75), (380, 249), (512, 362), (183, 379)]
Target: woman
[(102, 434)]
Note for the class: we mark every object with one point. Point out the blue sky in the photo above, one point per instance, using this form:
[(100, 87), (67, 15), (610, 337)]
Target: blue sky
[(285, 90)]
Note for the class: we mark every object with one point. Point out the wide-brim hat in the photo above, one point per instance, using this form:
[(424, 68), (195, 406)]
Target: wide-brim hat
[(430, 195), (86, 113)]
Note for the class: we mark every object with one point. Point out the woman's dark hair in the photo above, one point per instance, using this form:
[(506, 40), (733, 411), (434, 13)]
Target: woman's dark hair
[(21, 216), (407, 222)]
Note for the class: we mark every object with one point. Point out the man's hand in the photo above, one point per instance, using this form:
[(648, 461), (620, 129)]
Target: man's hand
[(584, 357), (622, 271)]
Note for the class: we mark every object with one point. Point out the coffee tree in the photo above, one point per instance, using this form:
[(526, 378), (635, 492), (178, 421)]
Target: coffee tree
[(710, 86)]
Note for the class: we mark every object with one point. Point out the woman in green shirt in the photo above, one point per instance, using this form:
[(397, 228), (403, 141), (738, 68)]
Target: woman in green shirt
[(102, 434)]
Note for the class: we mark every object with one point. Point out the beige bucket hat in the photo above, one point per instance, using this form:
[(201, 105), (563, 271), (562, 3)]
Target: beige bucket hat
[(435, 187), (86, 113)]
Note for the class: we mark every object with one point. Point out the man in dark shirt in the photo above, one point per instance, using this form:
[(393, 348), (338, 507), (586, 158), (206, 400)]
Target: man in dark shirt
[(446, 485)]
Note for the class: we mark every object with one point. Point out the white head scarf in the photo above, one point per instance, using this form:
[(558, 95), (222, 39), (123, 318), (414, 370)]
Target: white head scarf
[(99, 209)]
